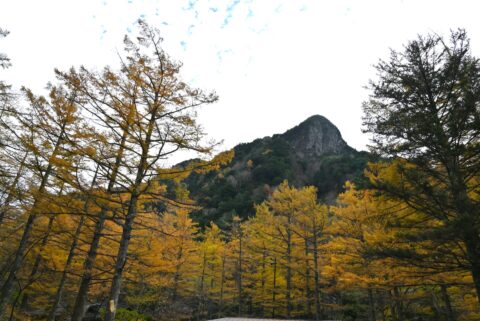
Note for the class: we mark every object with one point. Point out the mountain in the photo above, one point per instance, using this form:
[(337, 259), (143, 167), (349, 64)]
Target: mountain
[(312, 153)]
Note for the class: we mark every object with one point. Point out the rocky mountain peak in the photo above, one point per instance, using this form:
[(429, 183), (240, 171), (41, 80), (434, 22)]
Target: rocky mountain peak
[(314, 137), (313, 153)]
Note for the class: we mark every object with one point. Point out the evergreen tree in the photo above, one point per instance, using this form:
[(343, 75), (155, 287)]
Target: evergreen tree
[(425, 109)]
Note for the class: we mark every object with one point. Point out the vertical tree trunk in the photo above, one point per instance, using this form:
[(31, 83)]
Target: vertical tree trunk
[(264, 275), (468, 216), (393, 306), (176, 278), (398, 304), (450, 315), (371, 303), (436, 310), (201, 291), (472, 243), (318, 311), (288, 276), (222, 281), (307, 281), (381, 304), (274, 286), (240, 263)]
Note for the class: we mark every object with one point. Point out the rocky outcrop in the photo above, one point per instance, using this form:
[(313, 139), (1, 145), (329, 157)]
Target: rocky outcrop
[(316, 136)]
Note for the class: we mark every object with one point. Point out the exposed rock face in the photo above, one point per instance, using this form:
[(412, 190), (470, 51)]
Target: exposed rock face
[(315, 137)]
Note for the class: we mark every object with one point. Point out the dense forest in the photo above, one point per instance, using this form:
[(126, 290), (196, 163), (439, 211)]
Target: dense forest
[(94, 226)]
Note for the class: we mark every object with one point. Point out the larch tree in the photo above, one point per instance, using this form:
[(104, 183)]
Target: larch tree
[(179, 253), (48, 126), (355, 228), (260, 253), (287, 231), (164, 122), (146, 113), (112, 116), (154, 117), (309, 225), (425, 108), (209, 262)]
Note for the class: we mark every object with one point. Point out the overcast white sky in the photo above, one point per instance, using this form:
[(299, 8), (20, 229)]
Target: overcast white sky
[(273, 62)]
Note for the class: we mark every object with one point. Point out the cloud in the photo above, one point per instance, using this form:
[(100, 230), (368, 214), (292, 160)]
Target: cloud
[(191, 5), (230, 10), (232, 5)]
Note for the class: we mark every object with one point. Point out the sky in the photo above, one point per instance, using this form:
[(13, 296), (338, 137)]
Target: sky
[(273, 63)]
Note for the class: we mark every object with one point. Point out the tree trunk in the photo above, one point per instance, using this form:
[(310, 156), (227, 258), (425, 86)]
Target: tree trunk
[(381, 303), (450, 315), (288, 276), (129, 220), (11, 190), (240, 263), (222, 281), (468, 216), (274, 286), (202, 286), (472, 246), (318, 311), (371, 303), (398, 304), (17, 261), (176, 278), (121, 258), (435, 308), (7, 287), (38, 259), (81, 299), (393, 306), (264, 274), (71, 253), (307, 281), (63, 279)]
